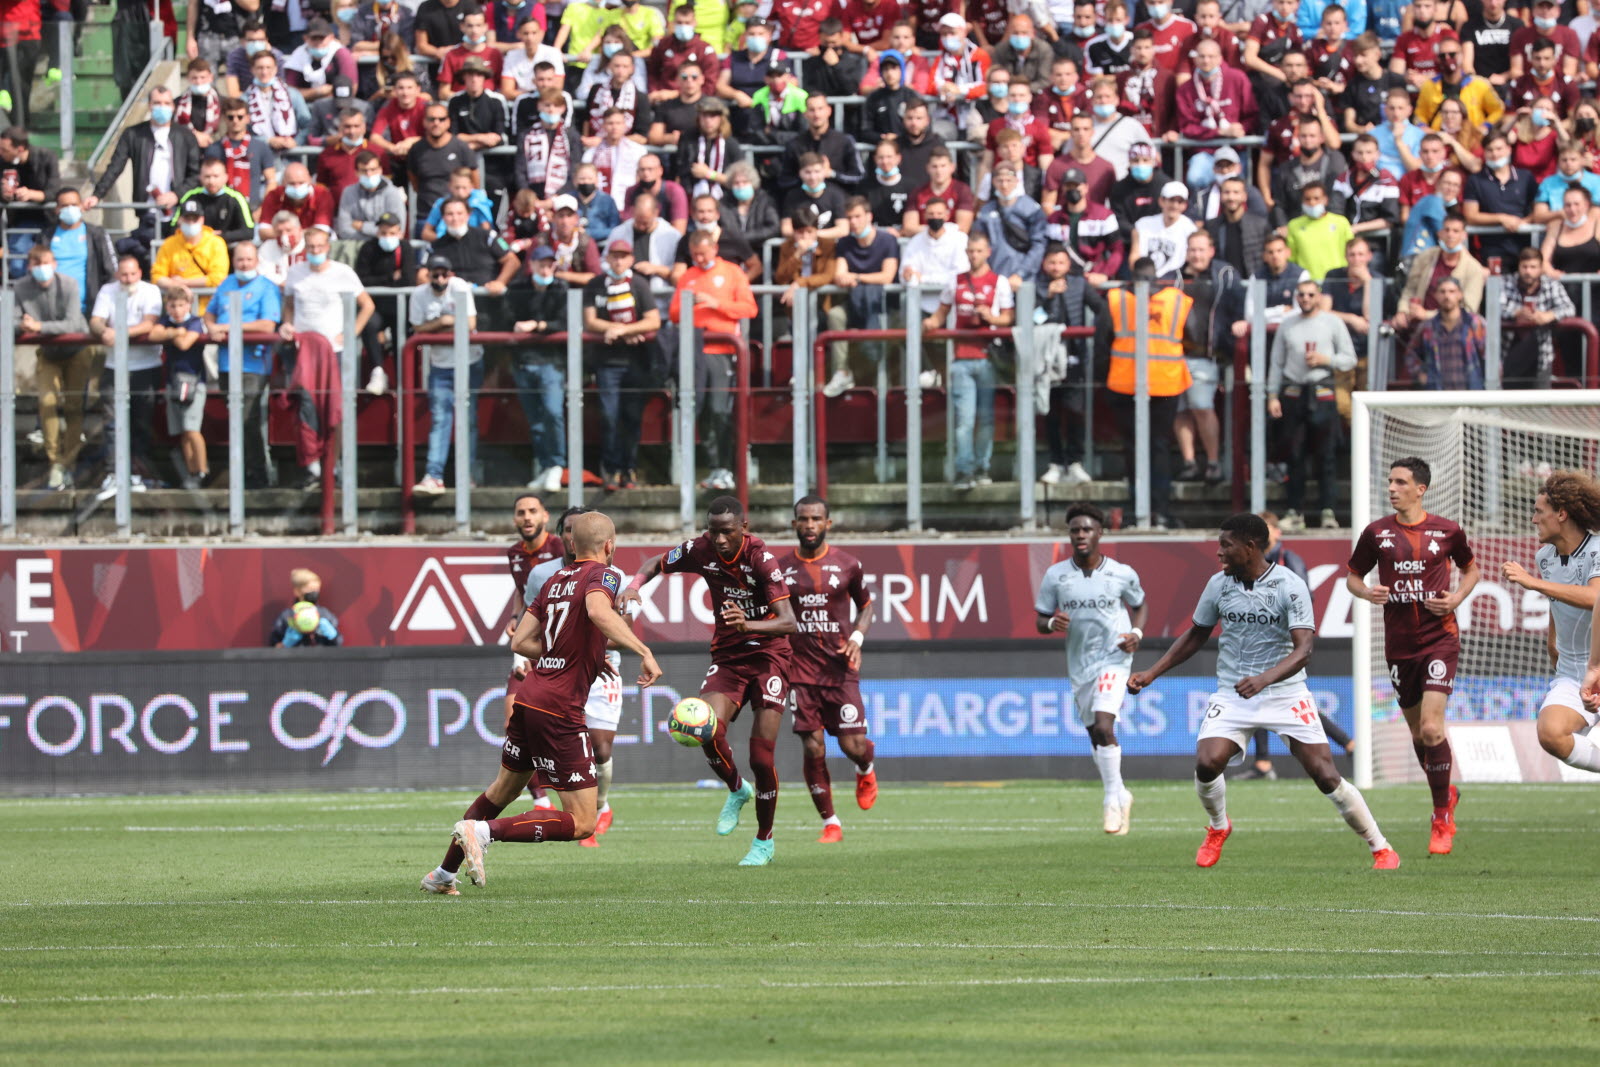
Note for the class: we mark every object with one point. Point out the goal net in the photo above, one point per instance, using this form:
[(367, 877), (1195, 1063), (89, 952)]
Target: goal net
[(1490, 452)]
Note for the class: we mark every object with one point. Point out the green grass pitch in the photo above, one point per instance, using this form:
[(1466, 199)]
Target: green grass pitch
[(956, 925)]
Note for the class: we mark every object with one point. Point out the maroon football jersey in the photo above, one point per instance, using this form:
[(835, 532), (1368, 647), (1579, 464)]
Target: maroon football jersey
[(871, 24), (822, 591), (1414, 562), (574, 646), (752, 580), (523, 561)]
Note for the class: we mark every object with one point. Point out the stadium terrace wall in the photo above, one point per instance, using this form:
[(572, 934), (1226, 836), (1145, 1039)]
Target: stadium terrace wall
[(202, 597), (329, 719)]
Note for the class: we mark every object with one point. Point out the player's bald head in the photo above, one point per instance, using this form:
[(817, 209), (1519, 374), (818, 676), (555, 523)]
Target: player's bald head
[(590, 532)]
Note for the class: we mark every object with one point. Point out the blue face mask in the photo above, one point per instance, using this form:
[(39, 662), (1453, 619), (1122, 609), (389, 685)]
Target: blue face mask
[(261, 84), (888, 176), (160, 114), (742, 193), (1116, 30), (246, 276), (542, 280), (1434, 169), (999, 90), (863, 233), (755, 45), (42, 273), (353, 142), (1141, 172), (610, 48), (1017, 107), (389, 242), (345, 14), (316, 259), (1020, 43), (1452, 249), (1540, 119), (1314, 211), (550, 118), (814, 190), (1104, 111), (683, 31), (1158, 11), (1084, 32), (370, 182), (317, 53), (70, 215), (252, 47), (1545, 24)]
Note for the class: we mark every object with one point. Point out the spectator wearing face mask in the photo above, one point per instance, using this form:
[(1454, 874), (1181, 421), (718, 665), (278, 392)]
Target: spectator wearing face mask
[(367, 200), (195, 257), (261, 307), (385, 261), (433, 310), (225, 209), (324, 72), (310, 202)]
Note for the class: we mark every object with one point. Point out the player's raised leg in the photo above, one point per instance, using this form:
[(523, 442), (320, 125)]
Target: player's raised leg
[(1317, 759), (491, 802), (860, 750), (1211, 758), (719, 755)]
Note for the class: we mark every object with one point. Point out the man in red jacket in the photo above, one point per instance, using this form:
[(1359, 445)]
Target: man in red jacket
[(722, 300)]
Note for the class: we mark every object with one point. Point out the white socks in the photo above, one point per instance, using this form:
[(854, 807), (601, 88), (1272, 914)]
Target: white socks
[(602, 782), (1353, 806), (442, 875), (1108, 758), (863, 773), (1214, 798), (1584, 754), (832, 820)]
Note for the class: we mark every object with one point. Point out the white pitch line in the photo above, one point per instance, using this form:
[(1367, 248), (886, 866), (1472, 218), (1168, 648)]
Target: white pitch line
[(744, 987), (681, 902), (936, 946)]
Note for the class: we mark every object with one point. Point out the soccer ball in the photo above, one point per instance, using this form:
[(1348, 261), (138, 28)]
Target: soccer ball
[(692, 721), (304, 616)]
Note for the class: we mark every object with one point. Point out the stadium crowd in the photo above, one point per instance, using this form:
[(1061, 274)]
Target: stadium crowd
[(509, 152)]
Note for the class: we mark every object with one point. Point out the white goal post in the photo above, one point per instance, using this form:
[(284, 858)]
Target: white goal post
[(1489, 451)]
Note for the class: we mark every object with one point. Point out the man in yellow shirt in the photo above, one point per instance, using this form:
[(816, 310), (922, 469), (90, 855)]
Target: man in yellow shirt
[(1317, 236), (195, 256), (1479, 98)]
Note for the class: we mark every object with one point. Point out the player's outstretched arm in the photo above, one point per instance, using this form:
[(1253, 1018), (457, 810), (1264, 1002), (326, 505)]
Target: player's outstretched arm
[(1185, 646), (648, 571), (1578, 596), (603, 613), (1299, 655), (526, 639)]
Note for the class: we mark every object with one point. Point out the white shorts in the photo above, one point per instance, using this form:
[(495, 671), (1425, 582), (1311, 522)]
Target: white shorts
[(1104, 693), (604, 709), (1289, 713), (1565, 693)]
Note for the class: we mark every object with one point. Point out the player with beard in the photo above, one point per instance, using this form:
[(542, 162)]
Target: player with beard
[(749, 656), (1267, 633), (535, 544), (565, 635), (1088, 598), (824, 676)]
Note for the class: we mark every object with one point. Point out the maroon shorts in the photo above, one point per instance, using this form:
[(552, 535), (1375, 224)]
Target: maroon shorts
[(758, 678), (1434, 671), (834, 708), (553, 747)]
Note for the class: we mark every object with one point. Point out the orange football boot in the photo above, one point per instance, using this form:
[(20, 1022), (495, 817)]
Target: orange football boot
[(832, 834), (866, 790), (1211, 850)]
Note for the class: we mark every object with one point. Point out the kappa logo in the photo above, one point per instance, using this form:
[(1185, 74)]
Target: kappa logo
[(455, 595), (574, 777), (1385, 544)]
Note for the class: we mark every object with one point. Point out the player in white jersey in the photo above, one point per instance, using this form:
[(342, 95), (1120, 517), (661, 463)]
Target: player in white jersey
[(1087, 598), (1565, 511), (1267, 633), (604, 709)]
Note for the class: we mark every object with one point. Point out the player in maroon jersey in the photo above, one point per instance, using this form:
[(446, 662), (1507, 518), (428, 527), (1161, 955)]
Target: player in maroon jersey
[(564, 633), (534, 545), (1413, 552), (824, 583), (749, 656)]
